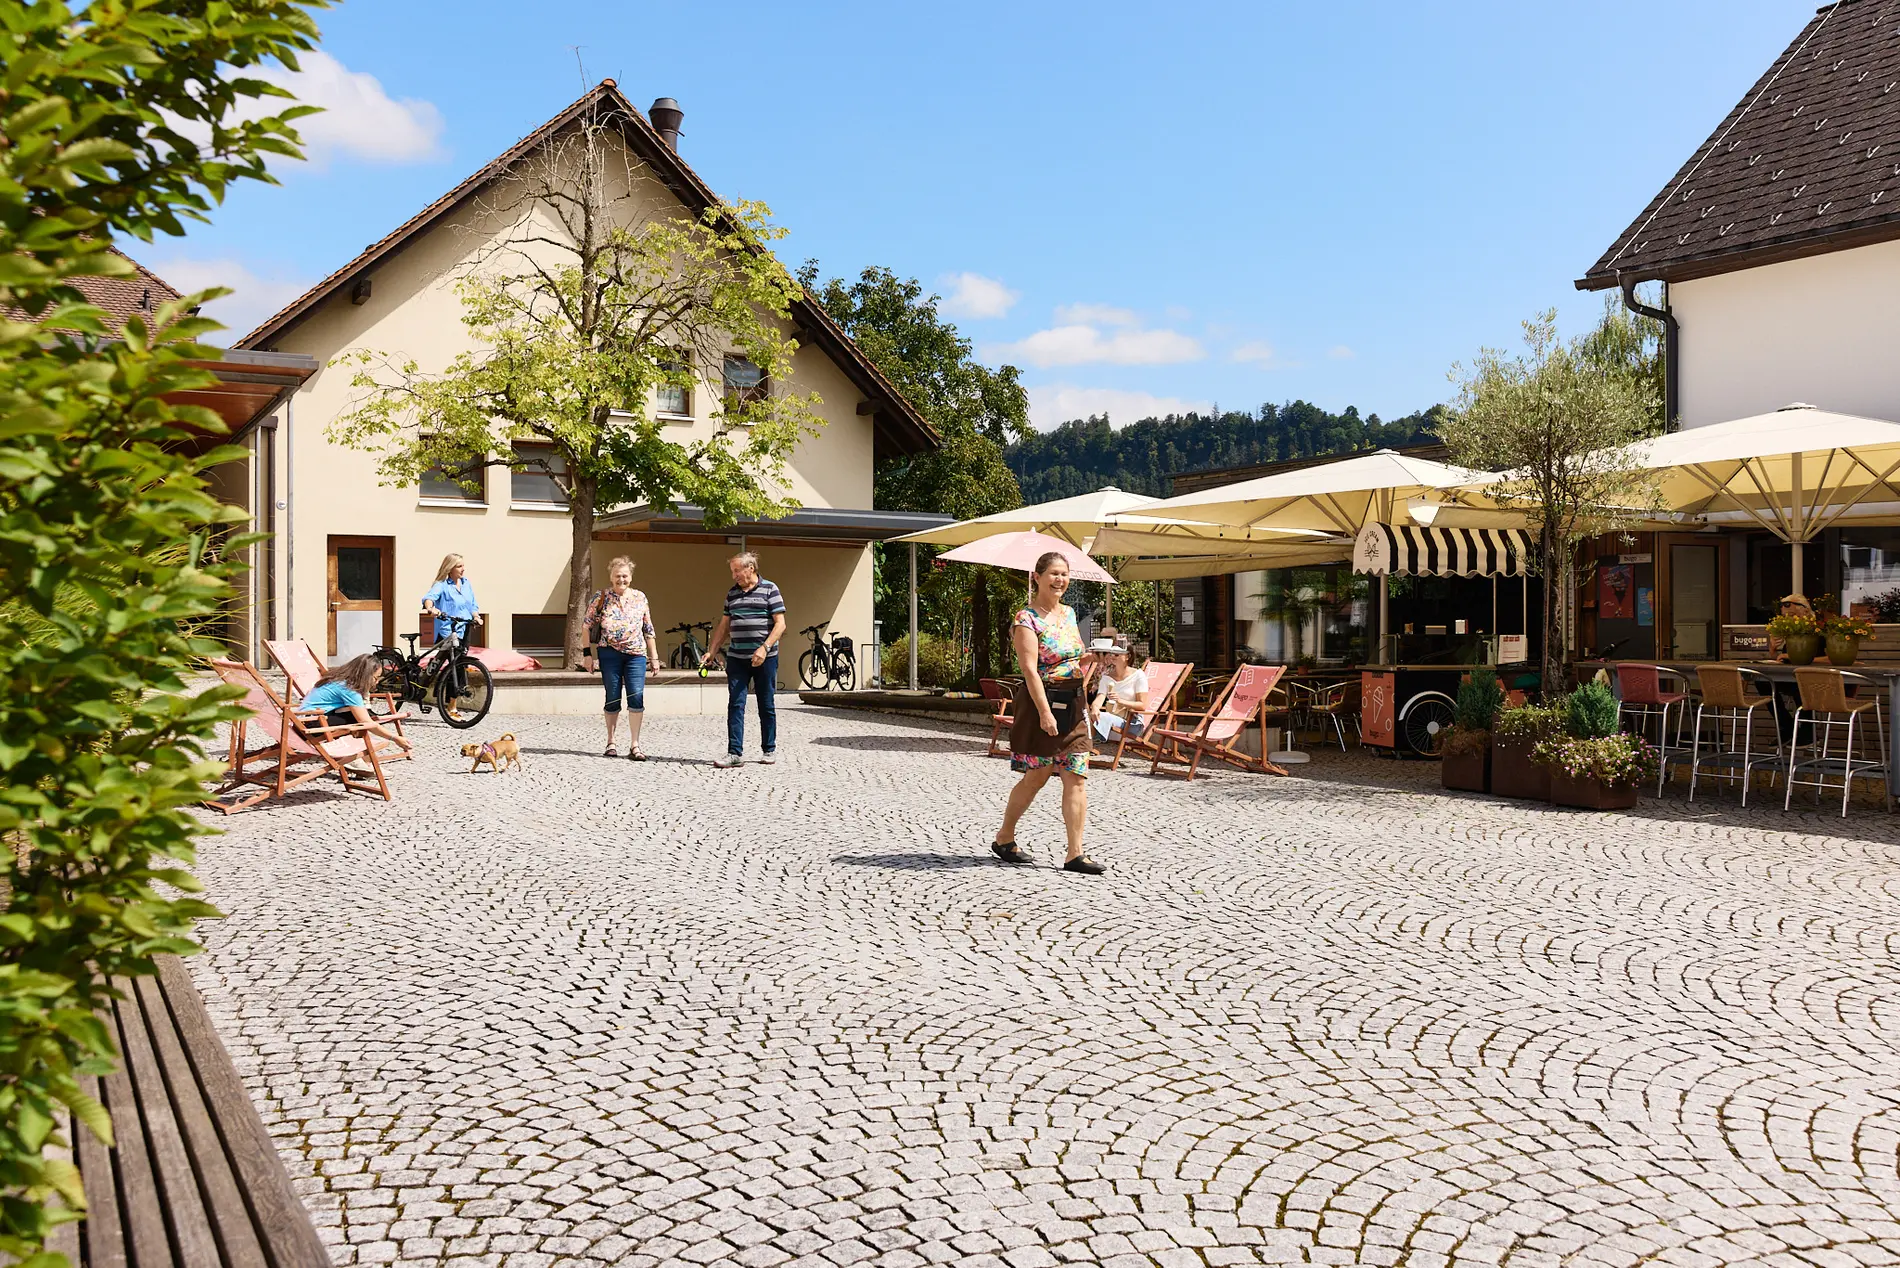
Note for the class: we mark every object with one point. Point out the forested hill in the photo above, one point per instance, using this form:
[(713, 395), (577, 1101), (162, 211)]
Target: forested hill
[(1082, 456)]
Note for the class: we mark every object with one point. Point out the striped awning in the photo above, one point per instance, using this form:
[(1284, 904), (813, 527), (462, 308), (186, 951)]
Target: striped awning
[(1442, 552)]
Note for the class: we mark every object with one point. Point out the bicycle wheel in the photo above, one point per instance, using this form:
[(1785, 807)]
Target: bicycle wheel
[(682, 657), (844, 671), (392, 677), (813, 670), (463, 709)]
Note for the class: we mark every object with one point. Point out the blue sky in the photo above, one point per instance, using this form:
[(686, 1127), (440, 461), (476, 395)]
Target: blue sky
[(1145, 207)]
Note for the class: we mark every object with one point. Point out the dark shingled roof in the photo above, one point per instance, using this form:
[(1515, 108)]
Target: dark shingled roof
[(1807, 162)]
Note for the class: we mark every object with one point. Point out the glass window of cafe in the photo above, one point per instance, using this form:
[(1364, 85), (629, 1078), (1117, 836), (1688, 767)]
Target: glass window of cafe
[(1870, 573), (1320, 614)]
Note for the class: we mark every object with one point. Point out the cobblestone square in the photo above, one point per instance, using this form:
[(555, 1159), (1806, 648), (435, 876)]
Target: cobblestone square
[(599, 1012)]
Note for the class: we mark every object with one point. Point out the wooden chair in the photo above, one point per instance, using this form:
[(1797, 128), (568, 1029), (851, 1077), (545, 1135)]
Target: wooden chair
[(301, 746), (1242, 702), (999, 694), (302, 669), (1165, 679), (1726, 714), (1333, 705)]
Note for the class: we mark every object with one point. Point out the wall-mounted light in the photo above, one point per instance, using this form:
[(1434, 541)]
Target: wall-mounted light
[(359, 293)]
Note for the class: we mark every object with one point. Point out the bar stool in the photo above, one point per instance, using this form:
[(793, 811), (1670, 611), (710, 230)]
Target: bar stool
[(1728, 704), (1640, 694), (1832, 714)]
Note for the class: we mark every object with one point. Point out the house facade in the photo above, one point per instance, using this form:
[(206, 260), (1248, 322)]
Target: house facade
[(1777, 246), (356, 555)]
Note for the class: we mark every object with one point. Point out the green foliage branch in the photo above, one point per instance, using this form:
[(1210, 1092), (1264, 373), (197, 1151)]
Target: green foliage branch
[(119, 118), (587, 304)]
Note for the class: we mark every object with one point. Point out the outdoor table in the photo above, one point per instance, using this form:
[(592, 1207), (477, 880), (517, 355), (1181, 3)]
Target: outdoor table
[(1783, 674)]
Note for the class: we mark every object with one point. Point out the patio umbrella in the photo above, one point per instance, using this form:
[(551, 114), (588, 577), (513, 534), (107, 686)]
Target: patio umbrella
[(1075, 519), (1020, 551), (1335, 497), (1794, 471)]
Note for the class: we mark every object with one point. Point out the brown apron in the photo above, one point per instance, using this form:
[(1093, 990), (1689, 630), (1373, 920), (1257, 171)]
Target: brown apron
[(1068, 701)]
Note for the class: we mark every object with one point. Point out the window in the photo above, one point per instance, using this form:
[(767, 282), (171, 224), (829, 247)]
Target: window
[(745, 382), (540, 631), (466, 484), (673, 400), (535, 485)]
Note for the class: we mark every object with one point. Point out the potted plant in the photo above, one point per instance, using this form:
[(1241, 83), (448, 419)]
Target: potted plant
[(1465, 761), (1515, 734), (1591, 763), (1843, 635), (1801, 636)]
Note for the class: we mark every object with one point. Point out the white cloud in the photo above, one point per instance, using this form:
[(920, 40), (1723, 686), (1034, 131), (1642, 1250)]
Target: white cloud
[(1340, 352), (1053, 404), (976, 297), (359, 120), (1088, 345), (1095, 315), (253, 299), (1257, 352)]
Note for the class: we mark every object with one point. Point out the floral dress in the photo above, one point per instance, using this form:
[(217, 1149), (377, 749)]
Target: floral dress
[(625, 621), (1059, 653)]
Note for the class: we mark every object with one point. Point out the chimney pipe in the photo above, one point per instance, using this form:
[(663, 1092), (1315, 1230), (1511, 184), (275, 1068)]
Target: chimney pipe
[(667, 117)]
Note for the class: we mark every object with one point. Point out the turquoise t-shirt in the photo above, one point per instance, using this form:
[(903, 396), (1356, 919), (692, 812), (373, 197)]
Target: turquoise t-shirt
[(331, 695)]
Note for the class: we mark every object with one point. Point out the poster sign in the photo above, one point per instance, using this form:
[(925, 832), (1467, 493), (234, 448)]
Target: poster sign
[(1645, 606), (1377, 709), (1513, 649), (1744, 642), (1616, 592)]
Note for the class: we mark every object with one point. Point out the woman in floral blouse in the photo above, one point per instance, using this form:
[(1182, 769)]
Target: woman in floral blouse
[(620, 622), (1051, 733)]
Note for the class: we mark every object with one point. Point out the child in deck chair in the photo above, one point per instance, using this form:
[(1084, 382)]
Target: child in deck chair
[(1122, 696), (339, 694)]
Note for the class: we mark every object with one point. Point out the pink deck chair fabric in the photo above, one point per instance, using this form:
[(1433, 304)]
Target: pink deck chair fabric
[(1252, 684)]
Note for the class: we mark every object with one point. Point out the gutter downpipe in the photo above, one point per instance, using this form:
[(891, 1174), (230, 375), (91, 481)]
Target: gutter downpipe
[(290, 523), (1672, 394), (913, 616)]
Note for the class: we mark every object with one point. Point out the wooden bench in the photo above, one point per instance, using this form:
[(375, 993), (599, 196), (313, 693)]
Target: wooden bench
[(194, 1180)]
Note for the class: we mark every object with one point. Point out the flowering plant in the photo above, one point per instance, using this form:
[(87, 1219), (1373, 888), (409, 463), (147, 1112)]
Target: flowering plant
[(1612, 760), (1791, 623), (1835, 625)]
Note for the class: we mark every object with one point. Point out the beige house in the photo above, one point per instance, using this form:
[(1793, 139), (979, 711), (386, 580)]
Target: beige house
[(356, 556)]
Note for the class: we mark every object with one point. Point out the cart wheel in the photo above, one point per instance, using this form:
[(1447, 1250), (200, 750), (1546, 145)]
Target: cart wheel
[(1425, 725)]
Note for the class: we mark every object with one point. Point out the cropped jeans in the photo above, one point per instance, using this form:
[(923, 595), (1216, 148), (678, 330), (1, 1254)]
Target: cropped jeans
[(623, 673), (763, 679)]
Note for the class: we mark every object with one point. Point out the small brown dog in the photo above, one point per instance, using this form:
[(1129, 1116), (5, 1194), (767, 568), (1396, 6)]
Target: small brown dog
[(500, 754)]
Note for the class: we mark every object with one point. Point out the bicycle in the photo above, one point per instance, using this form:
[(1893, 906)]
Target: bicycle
[(689, 654), (828, 665), (447, 677)]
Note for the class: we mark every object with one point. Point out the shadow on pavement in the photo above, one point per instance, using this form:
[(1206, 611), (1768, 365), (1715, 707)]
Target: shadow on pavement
[(902, 743), (920, 862)]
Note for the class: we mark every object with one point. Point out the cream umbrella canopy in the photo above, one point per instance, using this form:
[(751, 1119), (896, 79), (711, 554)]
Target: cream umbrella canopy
[(1794, 472), (1075, 519), (1335, 497)]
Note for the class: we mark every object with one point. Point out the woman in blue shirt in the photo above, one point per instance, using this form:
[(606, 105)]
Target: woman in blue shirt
[(340, 692), (451, 597)]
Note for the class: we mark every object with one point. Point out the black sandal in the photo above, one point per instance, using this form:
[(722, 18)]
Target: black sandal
[(1009, 852), (1084, 864), (612, 751), (635, 755)]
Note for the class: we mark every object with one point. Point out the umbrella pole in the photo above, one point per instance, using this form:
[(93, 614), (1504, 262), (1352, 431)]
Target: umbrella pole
[(913, 616), (1799, 548), (1154, 643), (1385, 587)]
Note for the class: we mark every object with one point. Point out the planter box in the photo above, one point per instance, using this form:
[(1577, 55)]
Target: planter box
[(1590, 794), (1513, 774), (1468, 771)]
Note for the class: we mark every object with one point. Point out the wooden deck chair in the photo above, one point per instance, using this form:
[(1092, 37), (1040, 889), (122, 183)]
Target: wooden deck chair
[(1001, 695), (298, 748), (1165, 680), (301, 669), (1242, 702)]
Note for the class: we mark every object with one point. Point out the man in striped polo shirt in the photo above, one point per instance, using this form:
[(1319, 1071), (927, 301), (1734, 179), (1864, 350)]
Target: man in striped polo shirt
[(753, 623)]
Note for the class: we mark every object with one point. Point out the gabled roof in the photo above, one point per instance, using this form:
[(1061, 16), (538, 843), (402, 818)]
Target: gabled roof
[(140, 292), (1807, 162), (899, 427)]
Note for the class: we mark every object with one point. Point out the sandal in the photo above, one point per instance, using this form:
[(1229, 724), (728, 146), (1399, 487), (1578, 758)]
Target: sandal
[(1009, 852), (636, 755), (1084, 864), (612, 751)]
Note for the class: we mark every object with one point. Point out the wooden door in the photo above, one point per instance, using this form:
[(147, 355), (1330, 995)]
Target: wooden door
[(1691, 595), (362, 584)]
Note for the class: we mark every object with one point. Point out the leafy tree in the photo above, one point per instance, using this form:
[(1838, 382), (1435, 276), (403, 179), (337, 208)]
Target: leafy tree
[(1564, 424), (1631, 345), (576, 318), (975, 409), (119, 118)]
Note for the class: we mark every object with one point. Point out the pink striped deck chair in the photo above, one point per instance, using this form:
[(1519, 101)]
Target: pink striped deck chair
[(301, 669), (1241, 703), (1164, 683), (298, 747)]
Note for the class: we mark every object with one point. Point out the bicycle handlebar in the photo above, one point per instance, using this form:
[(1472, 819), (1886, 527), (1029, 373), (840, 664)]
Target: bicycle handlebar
[(813, 629)]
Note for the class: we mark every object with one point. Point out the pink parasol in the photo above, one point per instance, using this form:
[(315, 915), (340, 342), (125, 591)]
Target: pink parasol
[(1021, 550)]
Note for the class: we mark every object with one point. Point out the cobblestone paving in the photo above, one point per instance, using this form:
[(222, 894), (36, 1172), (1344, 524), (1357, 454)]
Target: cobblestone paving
[(606, 1013)]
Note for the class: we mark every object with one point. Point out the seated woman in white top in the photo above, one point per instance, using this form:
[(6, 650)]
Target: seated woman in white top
[(1122, 696)]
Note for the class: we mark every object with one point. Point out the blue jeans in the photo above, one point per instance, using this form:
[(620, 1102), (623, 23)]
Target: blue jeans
[(623, 673), (763, 679)]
